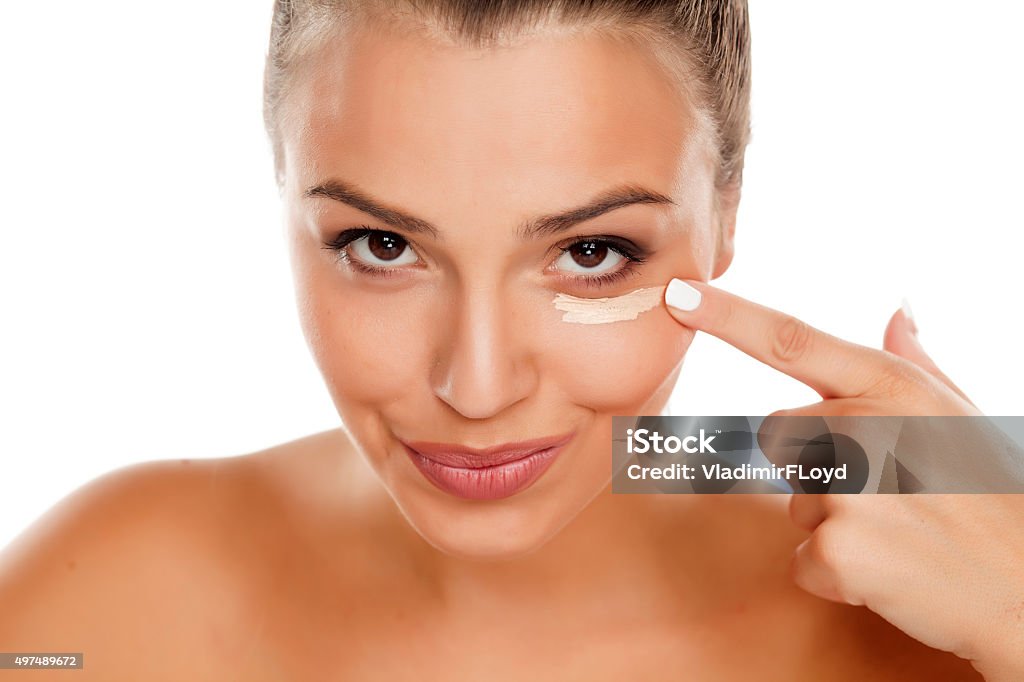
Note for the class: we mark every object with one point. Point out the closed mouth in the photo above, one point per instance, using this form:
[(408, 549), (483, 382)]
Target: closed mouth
[(465, 457)]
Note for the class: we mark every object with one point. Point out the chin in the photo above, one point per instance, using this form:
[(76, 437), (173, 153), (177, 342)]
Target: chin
[(486, 531)]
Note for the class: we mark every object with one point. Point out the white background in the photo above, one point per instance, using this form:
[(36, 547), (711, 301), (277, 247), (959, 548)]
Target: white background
[(146, 308)]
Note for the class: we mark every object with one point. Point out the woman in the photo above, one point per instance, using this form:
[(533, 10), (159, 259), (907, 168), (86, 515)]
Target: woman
[(492, 208)]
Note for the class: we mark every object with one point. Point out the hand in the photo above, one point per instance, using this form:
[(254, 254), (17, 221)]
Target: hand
[(946, 569)]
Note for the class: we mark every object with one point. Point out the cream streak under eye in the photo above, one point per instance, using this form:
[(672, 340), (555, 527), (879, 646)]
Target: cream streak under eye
[(610, 309)]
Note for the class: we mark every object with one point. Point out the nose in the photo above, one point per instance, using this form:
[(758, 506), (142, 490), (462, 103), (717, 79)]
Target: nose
[(485, 362)]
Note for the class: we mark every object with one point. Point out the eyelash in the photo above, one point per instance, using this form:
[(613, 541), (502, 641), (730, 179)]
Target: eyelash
[(633, 256), (346, 237)]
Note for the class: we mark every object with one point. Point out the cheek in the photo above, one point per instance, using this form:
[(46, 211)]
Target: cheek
[(368, 346), (616, 368)]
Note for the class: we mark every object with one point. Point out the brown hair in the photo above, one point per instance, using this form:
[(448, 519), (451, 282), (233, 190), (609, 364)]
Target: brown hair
[(712, 35)]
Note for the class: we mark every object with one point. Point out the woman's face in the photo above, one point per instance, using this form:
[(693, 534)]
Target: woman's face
[(420, 179)]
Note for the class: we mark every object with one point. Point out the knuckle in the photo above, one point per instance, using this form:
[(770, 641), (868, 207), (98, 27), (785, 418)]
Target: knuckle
[(828, 566), (791, 340), (801, 510), (827, 548), (836, 503), (901, 377)]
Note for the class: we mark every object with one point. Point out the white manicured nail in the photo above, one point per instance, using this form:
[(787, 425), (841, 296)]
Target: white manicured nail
[(907, 313), (681, 295)]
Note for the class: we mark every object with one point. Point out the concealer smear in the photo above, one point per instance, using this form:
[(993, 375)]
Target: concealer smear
[(605, 310)]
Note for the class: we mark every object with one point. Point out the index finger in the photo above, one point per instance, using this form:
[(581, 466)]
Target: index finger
[(833, 367)]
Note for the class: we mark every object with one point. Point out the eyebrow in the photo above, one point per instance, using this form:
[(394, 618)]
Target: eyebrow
[(542, 226)]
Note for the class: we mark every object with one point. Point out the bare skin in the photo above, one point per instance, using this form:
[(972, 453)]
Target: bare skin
[(321, 560), (255, 568)]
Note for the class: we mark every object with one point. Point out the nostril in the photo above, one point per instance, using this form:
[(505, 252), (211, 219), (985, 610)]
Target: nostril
[(482, 389)]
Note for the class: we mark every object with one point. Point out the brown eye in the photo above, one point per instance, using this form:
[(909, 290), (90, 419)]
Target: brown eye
[(385, 246), (382, 249), (590, 256)]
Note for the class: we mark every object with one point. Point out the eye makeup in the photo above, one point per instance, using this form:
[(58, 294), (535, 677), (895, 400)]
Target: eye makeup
[(589, 261), (377, 252), (629, 306), (599, 260)]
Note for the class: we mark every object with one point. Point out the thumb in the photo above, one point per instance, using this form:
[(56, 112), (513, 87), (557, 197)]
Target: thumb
[(901, 339)]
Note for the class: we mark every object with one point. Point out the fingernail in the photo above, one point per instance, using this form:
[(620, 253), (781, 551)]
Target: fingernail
[(909, 314), (681, 295)]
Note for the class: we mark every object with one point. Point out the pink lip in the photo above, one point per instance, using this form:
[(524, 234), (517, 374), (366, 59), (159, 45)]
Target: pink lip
[(485, 473)]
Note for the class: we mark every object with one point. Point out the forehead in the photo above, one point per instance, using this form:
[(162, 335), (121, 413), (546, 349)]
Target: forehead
[(554, 112)]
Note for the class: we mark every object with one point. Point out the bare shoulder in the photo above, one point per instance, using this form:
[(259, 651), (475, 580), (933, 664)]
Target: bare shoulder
[(151, 566)]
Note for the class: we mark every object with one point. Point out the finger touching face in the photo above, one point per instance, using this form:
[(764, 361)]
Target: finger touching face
[(480, 240)]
